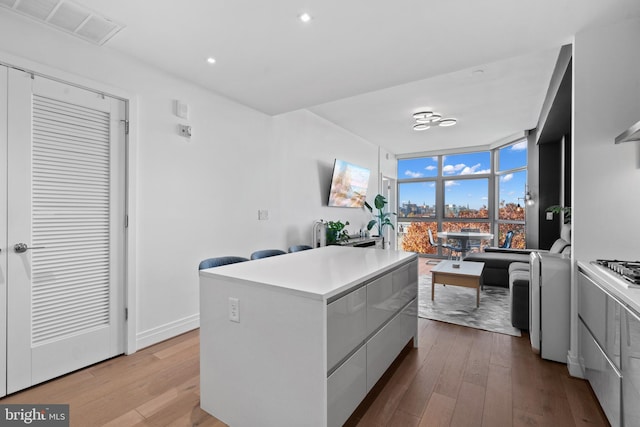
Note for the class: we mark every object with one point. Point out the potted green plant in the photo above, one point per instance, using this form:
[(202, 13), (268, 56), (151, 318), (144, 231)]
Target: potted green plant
[(381, 218), (336, 232)]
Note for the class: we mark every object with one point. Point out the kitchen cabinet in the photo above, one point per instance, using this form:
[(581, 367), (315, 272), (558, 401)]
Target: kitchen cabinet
[(317, 329), (631, 368), (609, 343)]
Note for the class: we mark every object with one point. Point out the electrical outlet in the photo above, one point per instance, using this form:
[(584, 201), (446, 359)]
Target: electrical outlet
[(234, 310), (263, 215), (184, 130), (549, 216)]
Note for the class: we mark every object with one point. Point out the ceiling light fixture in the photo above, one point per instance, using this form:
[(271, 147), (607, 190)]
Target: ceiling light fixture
[(305, 17), (211, 60), (447, 122), (426, 119), (422, 115), (432, 118)]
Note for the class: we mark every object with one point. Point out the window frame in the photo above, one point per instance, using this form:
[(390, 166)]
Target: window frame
[(493, 190)]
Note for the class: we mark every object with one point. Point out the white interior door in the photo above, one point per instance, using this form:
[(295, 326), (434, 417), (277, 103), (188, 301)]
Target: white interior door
[(3, 231), (65, 233)]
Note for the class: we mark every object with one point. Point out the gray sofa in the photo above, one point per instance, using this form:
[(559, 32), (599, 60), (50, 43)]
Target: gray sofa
[(496, 265), (510, 268)]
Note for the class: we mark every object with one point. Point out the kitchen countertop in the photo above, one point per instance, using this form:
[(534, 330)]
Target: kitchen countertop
[(619, 288), (320, 273)]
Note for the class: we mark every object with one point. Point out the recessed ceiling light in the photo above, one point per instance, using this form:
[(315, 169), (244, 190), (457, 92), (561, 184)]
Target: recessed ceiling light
[(305, 17), (211, 60)]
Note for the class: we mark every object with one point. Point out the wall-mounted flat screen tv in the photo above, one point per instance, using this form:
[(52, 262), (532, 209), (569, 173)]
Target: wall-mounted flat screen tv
[(348, 185)]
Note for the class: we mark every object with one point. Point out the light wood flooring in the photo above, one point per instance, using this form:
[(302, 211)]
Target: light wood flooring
[(456, 377)]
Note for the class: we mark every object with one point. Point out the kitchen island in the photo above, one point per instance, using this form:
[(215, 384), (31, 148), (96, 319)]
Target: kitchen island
[(300, 339)]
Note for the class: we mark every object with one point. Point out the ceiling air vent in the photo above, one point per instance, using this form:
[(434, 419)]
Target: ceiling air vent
[(67, 16)]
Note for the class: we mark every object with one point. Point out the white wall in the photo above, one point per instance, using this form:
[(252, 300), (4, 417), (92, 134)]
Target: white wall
[(606, 200), (606, 177), (308, 146), (388, 163), (200, 198)]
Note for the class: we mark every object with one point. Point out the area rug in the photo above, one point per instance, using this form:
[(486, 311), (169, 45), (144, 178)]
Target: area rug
[(455, 304)]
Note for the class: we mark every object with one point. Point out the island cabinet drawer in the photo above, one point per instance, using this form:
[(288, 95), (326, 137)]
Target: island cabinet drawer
[(405, 276), (385, 345), (605, 380), (346, 325), (388, 294), (601, 314), (346, 388)]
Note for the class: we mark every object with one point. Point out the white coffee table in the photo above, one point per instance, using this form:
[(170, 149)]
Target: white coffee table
[(468, 274)]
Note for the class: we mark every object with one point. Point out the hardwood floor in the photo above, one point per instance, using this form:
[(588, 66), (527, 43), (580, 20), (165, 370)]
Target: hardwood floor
[(457, 377)]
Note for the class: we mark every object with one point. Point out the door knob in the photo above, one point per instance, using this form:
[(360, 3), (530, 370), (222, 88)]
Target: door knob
[(22, 247)]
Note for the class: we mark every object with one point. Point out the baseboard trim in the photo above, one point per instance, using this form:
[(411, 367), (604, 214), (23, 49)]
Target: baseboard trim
[(575, 370), (166, 331)]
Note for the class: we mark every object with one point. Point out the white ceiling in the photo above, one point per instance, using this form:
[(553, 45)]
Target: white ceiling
[(367, 65)]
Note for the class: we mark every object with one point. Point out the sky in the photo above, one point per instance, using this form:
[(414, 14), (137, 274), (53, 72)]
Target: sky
[(473, 192)]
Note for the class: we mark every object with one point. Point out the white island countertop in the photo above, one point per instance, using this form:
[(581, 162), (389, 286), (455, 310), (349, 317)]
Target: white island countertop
[(320, 273)]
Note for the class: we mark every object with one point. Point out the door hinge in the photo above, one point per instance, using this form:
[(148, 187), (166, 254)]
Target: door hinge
[(126, 126), (126, 314), (126, 221)]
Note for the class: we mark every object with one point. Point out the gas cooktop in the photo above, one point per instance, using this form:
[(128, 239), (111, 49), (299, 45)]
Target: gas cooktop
[(628, 270)]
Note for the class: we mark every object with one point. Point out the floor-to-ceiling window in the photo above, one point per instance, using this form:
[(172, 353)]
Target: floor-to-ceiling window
[(511, 173), (483, 191)]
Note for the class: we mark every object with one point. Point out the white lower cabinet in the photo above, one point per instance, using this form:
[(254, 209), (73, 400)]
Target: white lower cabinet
[(631, 368), (386, 295), (604, 378), (384, 347), (380, 294), (609, 350), (601, 313), (346, 387), (346, 325), (366, 330), (352, 380)]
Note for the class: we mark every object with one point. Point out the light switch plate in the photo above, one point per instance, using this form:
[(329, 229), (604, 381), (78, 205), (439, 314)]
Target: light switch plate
[(549, 216), (182, 109)]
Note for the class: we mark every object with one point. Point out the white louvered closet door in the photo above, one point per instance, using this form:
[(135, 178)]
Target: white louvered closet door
[(3, 230), (66, 205)]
